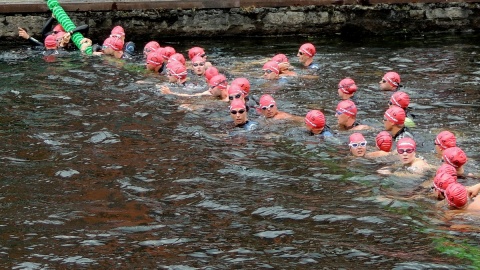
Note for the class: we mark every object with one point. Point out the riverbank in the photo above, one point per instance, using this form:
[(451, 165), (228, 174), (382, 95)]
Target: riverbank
[(157, 19)]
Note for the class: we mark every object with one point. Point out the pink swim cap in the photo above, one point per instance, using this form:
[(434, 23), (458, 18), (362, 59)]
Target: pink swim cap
[(50, 42), (357, 137), (347, 107), (308, 49), (118, 31), (266, 100), (58, 28), (243, 83), (197, 59), (237, 104), (446, 139), (177, 57), (168, 51), (155, 58), (315, 119), (218, 80), (234, 89), (384, 141), (151, 46), (447, 168), (454, 156), (456, 195), (406, 143), (395, 115), (442, 180), (177, 69), (115, 43), (211, 72), (400, 99), (392, 78), (347, 86), (280, 58), (271, 65), (195, 51)]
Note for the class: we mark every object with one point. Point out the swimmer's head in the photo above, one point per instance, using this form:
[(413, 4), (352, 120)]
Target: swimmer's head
[(455, 157), (177, 57), (347, 86), (390, 81), (50, 42), (315, 121), (441, 182), (154, 60), (238, 111), (400, 99), (150, 47), (218, 82), (210, 73), (270, 70), (167, 52), (268, 106), (243, 83), (280, 58), (196, 51), (176, 71), (346, 107), (307, 49), (395, 115), (456, 195), (358, 145), (445, 139), (198, 65), (235, 92), (447, 168), (406, 150), (384, 141)]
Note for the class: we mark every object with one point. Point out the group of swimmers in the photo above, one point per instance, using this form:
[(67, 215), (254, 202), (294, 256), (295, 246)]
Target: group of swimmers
[(396, 119)]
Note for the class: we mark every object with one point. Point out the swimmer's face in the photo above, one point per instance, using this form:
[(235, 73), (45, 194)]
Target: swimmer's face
[(359, 150), (268, 74), (406, 155), (385, 86), (438, 150), (387, 124), (198, 68), (270, 110), (342, 95), (238, 115), (302, 57), (171, 78), (342, 119), (313, 129), (438, 194)]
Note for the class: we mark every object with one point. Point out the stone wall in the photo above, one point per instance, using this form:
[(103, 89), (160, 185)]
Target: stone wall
[(348, 20)]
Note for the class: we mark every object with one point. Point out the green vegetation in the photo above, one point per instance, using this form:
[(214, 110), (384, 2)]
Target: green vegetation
[(459, 250)]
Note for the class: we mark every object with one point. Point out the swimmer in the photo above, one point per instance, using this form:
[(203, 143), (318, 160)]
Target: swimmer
[(235, 92), (178, 57), (238, 113), (383, 142), (271, 70), (198, 51), (51, 47), (456, 157), (390, 82), (358, 145), (198, 66), (315, 124), (150, 47), (346, 114), (402, 100), (112, 46), (394, 123), (456, 196), (347, 89), (210, 72), (283, 65), (128, 48), (440, 183), (444, 140), (305, 56), (269, 109)]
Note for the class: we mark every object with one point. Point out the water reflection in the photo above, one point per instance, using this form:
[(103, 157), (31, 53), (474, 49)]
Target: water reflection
[(99, 170)]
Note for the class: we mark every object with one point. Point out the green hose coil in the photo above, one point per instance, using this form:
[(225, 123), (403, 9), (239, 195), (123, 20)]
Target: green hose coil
[(67, 24)]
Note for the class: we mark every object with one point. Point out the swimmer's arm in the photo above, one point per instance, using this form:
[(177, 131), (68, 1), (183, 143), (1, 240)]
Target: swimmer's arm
[(47, 28), (473, 190), (23, 33), (166, 90)]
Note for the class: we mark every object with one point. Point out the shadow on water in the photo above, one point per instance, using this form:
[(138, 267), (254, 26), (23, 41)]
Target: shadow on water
[(100, 170)]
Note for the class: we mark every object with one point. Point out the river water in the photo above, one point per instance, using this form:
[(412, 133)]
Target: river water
[(100, 171)]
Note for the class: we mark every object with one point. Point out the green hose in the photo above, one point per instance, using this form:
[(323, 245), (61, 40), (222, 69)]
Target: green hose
[(66, 23)]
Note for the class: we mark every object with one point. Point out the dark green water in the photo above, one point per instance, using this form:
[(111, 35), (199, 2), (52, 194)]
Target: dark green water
[(100, 171)]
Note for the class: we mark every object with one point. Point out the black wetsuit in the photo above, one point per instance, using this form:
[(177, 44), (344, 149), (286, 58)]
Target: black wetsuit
[(402, 133)]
